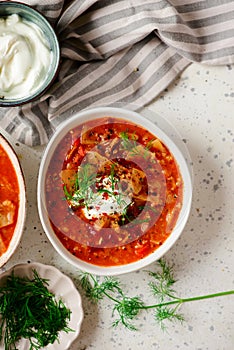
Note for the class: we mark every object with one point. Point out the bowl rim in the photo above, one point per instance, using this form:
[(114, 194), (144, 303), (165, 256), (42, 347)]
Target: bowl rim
[(36, 95), (119, 113), (21, 218)]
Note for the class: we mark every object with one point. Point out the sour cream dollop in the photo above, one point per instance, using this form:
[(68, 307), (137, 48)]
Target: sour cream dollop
[(25, 57)]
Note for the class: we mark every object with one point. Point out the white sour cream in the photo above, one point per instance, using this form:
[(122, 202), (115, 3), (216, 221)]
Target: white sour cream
[(25, 57), (103, 203)]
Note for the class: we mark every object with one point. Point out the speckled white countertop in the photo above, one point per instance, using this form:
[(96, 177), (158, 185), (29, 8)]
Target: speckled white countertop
[(200, 103)]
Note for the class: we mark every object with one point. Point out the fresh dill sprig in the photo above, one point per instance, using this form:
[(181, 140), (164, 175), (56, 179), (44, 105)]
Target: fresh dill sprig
[(128, 308)]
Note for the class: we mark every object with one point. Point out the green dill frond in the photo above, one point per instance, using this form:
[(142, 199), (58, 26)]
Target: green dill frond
[(138, 222), (85, 283), (96, 290), (128, 144), (83, 193), (164, 313), (68, 195), (167, 272), (149, 144), (127, 309), (109, 284), (125, 139), (161, 287), (131, 146), (86, 178)]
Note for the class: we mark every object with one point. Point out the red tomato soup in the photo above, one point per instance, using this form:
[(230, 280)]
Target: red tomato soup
[(113, 192), (9, 200)]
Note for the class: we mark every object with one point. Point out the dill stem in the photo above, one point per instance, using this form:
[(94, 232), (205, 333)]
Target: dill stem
[(186, 300), (111, 298), (105, 293)]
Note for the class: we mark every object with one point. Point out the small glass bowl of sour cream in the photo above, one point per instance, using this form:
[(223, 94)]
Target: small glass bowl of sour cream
[(29, 54)]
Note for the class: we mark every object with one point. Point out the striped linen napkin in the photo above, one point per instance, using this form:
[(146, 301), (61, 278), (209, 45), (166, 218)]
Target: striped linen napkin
[(121, 52)]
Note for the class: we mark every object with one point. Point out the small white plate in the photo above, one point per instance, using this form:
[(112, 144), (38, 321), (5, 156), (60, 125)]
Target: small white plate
[(63, 288)]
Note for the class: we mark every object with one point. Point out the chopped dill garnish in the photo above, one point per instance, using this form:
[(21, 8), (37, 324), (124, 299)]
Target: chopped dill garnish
[(129, 144), (83, 193), (29, 310), (135, 148), (88, 189)]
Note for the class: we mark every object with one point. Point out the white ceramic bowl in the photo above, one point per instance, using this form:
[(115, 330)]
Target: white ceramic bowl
[(29, 14), (22, 201), (63, 288), (134, 117)]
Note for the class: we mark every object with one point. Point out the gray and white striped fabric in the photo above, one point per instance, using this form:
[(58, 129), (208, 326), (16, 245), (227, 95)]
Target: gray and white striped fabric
[(121, 52)]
